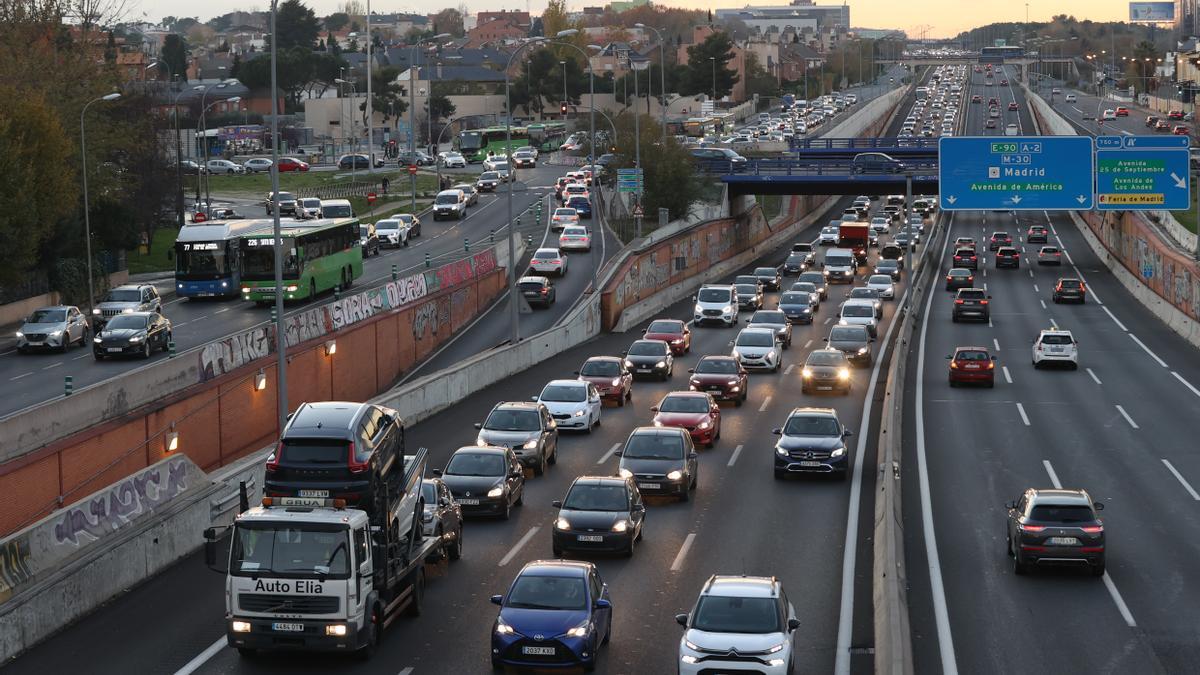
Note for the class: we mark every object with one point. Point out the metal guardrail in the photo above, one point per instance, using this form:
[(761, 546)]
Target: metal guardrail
[(807, 167), (875, 143)]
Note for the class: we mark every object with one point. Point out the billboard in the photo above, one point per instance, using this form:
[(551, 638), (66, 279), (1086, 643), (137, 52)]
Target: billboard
[(1152, 12)]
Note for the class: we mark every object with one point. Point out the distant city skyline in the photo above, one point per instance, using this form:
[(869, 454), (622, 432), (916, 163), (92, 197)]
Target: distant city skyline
[(944, 18)]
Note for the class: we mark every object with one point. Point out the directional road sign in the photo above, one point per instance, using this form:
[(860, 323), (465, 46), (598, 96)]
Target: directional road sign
[(1015, 172), (1135, 173)]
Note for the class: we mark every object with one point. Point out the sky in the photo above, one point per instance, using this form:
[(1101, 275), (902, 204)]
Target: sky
[(940, 18)]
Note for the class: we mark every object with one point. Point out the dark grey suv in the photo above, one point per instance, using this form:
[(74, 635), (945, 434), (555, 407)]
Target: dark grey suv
[(1055, 527), (525, 427), (811, 441)]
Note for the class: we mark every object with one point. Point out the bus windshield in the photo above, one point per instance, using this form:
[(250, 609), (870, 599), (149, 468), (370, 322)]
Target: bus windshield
[(258, 262), (203, 260), (470, 141)]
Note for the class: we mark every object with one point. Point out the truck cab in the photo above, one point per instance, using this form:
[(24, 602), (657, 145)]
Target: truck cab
[(856, 237)]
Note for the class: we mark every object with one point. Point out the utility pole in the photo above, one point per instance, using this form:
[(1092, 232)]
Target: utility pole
[(370, 102), (280, 339), (637, 144)]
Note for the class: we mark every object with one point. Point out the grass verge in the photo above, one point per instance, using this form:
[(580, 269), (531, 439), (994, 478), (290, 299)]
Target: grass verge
[(156, 260)]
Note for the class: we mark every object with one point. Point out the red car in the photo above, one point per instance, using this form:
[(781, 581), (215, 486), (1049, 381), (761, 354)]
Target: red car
[(976, 99), (1175, 115), (612, 379), (671, 331), (972, 365), (695, 411), (1004, 82), (1180, 130), (721, 377), (999, 239), (1012, 105), (291, 164), (1122, 111)]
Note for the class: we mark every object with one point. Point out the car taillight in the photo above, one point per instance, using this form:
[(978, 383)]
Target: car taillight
[(958, 302), (983, 302), (949, 278), (545, 291), (1032, 528), (273, 460), (990, 365), (1093, 529), (356, 466)]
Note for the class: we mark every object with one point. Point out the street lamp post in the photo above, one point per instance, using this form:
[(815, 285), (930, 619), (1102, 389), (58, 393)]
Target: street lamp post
[(87, 221), (280, 341), (662, 70), (353, 131), (204, 131), (713, 60), (207, 184), (564, 98), (178, 143), (637, 143), (412, 112)]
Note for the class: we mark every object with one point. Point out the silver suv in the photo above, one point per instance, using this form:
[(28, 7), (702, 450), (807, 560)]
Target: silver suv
[(527, 428), (125, 299), (738, 619)]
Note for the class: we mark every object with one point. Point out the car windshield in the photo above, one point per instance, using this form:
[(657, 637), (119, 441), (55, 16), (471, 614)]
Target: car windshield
[(811, 425), (127, 322), (1069, 283), (826, 358), (723, 614), (804, 287), (335, 211), (864, 293), (747, 289), (600, 369), (815, 278), (566, 213), (429, 494), (500, 166), (647, 348), (713, 295), (1067, 513), (683, 404), (387, 225), (597, 498), (795, 299), (755, 339), (123, 296), (48, 316), (971, 294), (546, 255), (406, 218), (489, 175), (513, 420), (960, 273), (771, 317), (532, 286), (364, 230), (881, 279), (564, 393), (447, 199), (653, 446), (553, 593), (667, 327), (310, 551), (717, 366), (887, 264), (765, 272), (311, 203), (796, 258), (848, 334), (575, 231), (973, 355), (284, 197), (1050, 339), (857, 310), (476, 464)]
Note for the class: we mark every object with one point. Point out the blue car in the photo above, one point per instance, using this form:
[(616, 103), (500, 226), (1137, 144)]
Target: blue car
[(556, 614), (582, 206)]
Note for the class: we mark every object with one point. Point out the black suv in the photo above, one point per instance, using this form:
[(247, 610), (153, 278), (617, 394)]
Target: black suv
[(537, 290), (1008, 256), (811, 441), (966, 258), (1055, 527), (971, 303), (337, 450)]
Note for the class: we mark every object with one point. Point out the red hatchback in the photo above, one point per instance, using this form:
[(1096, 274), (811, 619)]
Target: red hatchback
[(695, 411), (671, 331), (291, 164), (1122, 111), (1012, 105), (720, 376), (972, 365), (612, 379), (1180, 130)]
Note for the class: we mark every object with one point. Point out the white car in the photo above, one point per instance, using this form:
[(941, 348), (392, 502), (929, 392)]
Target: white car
[(309, 206), (716, 303), (575, 190), (829, 235), (1108, 114), (740, 615), (490, 163), (452, 160), (575, 238), (1011, 130), (882, 283), (392, 232), (757, 348), (563, 216), (880, 224), (56, 327), (548, 261), (227, 167), (1055, 346), (257, 164), (573, 404), (859, 312), (1071, 98)]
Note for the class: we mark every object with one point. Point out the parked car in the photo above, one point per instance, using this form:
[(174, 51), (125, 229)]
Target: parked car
[(224, 166), (287, 164)]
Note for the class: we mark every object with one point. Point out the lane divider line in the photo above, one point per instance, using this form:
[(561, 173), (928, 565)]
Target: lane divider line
[(683, 551), (766, 402), (734, 457), (1186, 383), (1097, 380), (608, 455), (1181, 480), (1127, 417), (1152, 354), (1115, 319), (1007, 377), (1024, 417), (203, 657), (512, 553)]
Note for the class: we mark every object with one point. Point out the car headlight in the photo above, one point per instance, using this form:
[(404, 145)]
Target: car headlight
[(620, 526), (480, 440), (503, 628), (843, 322), (628, 363), (96, 312), (728, 309), (843, 374), (837, 453), (579, 413), (96, 339), (675, 475), (239, 626), (661, 364), (658, 422), (54, 334), (496, 491), (625, 473), (806, 373), (775, 663), (616, 382), (336, 630), (137, 338), (698, 309), (862, 350), (127, 310), (581, 630), (693, 646), (703, 426), (737, 355), (291, 289), (562, 524), (531, 444), (677, 341), (775, 648)]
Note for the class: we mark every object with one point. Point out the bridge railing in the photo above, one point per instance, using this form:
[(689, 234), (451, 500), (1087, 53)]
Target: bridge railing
[(804, 167), (871, 143)]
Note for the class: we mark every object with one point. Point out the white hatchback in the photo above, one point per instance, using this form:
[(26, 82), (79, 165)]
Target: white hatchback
[(574, 404), (859, 312), (1056, 346), (882, 283), (575, 238)]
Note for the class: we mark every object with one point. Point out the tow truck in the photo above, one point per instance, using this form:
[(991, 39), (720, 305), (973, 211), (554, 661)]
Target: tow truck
[(309, 574)]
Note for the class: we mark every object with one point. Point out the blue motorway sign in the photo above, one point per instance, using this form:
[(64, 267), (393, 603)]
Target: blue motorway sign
[(1015, 172), (1136, 173)]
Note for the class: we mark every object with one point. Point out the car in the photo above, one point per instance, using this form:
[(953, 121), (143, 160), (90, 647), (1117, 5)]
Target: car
[(972, 365), (650, 357), (749, 296), (795, 263), (1175, 114), (488, 181), (525, 427), (190, 167), (859, 312), (817, 279), (1162, 125), (575, 190), (500, 166), (575, 238), (450, 204), (417, 158), (696, 412), (672, 331), (1122, 111), (468, 190), (452, 160), (125, 299), (356, 161), (825, 369), (971, 303), (308, 207), (990, 124), (224, 166), (999, 239), (966, 257), (1068, 288), (884, 284), (768, 278), (257, 165), (1008, 256), (813, 291), (581, 204), (1152, 120), (1012, 105), (828, 235), (661, 461), (965, 242), (889, 266), (610, 376), (1011, 129), (522, 160), (867, 293), (853, 341), (484, 480), (1180, 130), (959, 277), (537, 290), (1049, 255), (285, 200), (556, 613), (287, 164), (337, 450), (573, 404), (1071, 98), (1055, 527), (549, 261), (797, 306), (880, 224), (994, 112), (56, 327), (812, 440), (776, 320), (757, 348), (976, 98), (368, 239), (736, 617), (336, 208), (599, 514), (442, 516), (392, 232), (721, 157), (1004, 82), (717, 303), (1037, 234), (1108, 114), (562, 217)]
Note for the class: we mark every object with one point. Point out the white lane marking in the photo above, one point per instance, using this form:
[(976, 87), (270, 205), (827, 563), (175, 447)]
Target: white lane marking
[(608, 455), (1114, 318), (1053, 476), (200, 659), (990, 325), (941, 612), (985, 286), (1093, 374), (53, 365), (20, 376), (683, 551), (985, 274), (1007, 377), (81, 356), (1119, 601), (766, 402), (1053, 325), (406, 671), (512, 553), (1024, 417), (223, 309), (996, 344), (1068, 257), (1186, 383), (177, 324), (1043, 303), (734, 457), (788, 370), (1030, 274), (1035, 289), (808, 344), (828, 320), (200, 318), (1127, 417), (1152, 354), (1180, 478)]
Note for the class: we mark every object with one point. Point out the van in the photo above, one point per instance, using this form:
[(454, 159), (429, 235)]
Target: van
[(716, 304), (840, 265), (450, 204), (336, 208)]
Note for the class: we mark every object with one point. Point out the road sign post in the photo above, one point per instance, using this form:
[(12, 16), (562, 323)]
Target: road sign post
[(1016, 173), (1137, 173)]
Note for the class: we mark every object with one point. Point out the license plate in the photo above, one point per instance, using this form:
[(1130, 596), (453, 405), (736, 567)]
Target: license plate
[(1062, 541), (971, 366), (809, 463), (643, 370), (824, 388), (1055, 350), (313, 493), (469, 502), (649, 486), (590, 537), (288, 627), (114, 350), (538, 651)]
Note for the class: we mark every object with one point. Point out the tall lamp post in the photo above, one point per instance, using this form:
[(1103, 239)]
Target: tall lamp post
[(412, 111), (178, 142), (564, 98), (207, 185), (353, 134), (204, 130), (280, 340), (713, 60), (87, 222), (662, 71)]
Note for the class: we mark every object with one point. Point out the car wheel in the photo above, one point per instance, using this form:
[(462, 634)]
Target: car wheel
[(553, 456), (455, 551), (146, 349), (166, 344), (621, 401), (507, 512), (1098, 569), (991, 384), (556, 551), (685, 495), (1019, 568), (540, 468)]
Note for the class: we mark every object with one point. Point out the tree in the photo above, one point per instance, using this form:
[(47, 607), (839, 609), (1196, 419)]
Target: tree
[(758, 80), (700, 68), (669, 172), (236, 66), (357, 13), (449, 20), (441, 107), (296, 24), (388, 97), (337, 21)]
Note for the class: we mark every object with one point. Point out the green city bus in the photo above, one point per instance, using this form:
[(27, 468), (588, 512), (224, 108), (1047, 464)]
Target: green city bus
[(317, 255), (547, 137), (476, 144)]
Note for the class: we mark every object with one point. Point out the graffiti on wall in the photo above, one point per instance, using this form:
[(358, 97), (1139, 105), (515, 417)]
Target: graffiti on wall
[(1172, 277), (15, 569), (484, 262), (305, 326), (132, 498), (431, 317), (645, 275), (222, 356)]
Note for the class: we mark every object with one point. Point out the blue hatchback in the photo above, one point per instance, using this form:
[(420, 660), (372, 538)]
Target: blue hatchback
[(556, 614), (582, 206)]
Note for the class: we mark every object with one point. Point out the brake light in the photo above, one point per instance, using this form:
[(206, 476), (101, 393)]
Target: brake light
[(273, 460), (1091, 549), (356, 466), (545, 291), (1057, 254), (949, 278), (991, 365), (1093, 529), (958, 302), (983, 302), (1032, 528)]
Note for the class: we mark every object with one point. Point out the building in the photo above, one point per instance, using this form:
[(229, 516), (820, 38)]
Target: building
[(132, 65), (799, 14), (496, 31), (521, 19)]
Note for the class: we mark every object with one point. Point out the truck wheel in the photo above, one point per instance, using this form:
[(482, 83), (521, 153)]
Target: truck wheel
[(418, 594), (375, 634)]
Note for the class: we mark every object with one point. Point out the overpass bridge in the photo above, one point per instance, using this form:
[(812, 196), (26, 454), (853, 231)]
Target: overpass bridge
[(819, 176)]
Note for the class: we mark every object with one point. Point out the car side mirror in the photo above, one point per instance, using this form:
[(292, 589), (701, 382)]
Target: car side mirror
[(693, 455), (618, 453), (653, 408), (994, 358), (603, 604), (478, 425), (557, 503), (731, 343), (824, 339), (948, 356), (1098, 506), (575, 372), (847, 432), (1010, 505), (497, 599), (989, 297), (681, 619), (691, 370), (777, 431), (437, 472), (793, 624)]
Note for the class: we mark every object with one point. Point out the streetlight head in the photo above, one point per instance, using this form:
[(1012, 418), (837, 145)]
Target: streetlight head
[(441, 36), (341, 81), (232, 80), (566, 33), (152, 65), (597, 47), (233, 99), (639, 25), (111, 97)]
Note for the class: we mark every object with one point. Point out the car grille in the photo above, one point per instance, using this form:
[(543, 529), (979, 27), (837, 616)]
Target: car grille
[(649, 476), (288, 604), (712, 312), (35, 337), (808, 454), (109, 313), (562, 417)]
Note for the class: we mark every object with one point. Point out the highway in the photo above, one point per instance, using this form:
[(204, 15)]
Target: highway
[(1084, 115), (1122, 426)]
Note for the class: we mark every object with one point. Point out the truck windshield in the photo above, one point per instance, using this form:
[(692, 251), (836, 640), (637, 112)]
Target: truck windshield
[(288, 550), (837, 260)]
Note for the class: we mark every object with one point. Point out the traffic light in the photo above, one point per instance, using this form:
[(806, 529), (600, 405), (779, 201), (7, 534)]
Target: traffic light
[(562, 107)]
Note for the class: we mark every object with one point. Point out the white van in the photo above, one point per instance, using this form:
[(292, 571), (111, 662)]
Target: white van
[(336, 208), (716, 303), (840, 266), (450, 204)]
